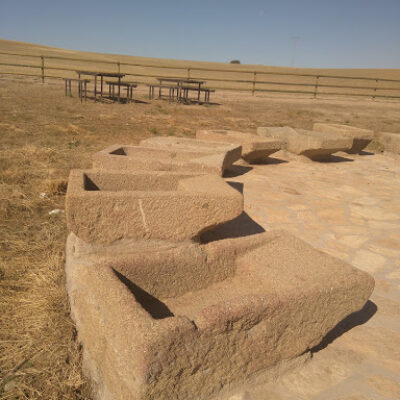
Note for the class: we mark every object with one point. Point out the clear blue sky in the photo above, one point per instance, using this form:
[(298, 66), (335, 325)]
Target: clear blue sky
[(331, 33)]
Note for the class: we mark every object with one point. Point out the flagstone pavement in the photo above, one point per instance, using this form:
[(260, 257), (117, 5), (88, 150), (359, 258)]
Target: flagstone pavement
[(350, 208)]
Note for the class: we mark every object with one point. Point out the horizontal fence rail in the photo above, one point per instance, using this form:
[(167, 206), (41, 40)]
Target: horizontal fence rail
[(296, 83)]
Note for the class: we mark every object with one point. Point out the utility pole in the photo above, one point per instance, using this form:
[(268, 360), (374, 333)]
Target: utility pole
[(295, 39)]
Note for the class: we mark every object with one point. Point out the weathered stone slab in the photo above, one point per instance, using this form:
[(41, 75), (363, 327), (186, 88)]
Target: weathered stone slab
[(254, 149), (108, 206), (389, 141), (312, 144), (140, 158), (232, 152), (183, 321), (361, 137)]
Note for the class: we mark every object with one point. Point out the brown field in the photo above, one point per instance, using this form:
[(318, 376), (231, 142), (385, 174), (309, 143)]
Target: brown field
[(217, 75), (42, 136)]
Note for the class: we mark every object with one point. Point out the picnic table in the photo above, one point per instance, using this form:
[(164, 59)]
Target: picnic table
[(182, 88), (128, 85), (82, 87), (102, 75)]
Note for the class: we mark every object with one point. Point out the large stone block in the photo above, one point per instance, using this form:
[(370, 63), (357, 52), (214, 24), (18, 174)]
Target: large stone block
[(231, 152), (312, 144), (108, 206), (389, 141), (361, 137), (183, 321), (254, 149), (139, 158)]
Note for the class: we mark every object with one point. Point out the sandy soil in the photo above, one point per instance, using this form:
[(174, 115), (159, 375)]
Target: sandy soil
[(347, 208)]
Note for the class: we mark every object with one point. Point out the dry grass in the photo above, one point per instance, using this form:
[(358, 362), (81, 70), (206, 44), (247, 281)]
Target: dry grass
[(42, 136)]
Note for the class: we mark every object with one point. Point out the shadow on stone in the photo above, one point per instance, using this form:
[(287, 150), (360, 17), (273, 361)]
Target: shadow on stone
[(156, 308), (365, 153), (350, 322), (236, 185), (241, 226), (236, 170)]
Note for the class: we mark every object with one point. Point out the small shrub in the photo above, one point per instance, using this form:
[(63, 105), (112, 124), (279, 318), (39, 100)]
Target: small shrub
[(235, 62)]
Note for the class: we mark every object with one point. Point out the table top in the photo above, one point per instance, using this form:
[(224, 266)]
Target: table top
[(179, 80), (123, 83), (108, 74)]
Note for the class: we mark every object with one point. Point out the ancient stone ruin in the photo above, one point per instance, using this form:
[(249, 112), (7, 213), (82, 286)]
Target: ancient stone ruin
[(317, 146), (254, 149), (141, 158), (233, 151), (361, 137), (173, 298)]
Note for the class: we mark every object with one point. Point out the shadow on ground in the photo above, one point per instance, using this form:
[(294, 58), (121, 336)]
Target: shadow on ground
[(334, 159), (350, 322), (236, 170), (270, 161)]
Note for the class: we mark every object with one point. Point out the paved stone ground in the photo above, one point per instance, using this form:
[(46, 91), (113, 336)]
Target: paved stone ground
[(350, 208)]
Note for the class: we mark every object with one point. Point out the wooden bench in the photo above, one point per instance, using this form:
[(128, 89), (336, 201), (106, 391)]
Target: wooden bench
[(171, 91), (82, 87), (128, 85), (184, 95)]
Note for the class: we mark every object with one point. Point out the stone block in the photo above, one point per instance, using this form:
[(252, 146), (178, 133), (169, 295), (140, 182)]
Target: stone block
[(109, 206), (361, 137), (254, 149), (389, 141), (231, 152), (139, 158), (314, 145), (183, 321)]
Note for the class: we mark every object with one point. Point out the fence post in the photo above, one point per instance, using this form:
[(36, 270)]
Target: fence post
[(119, 67), (375, 88), (42, 68), (316, 86), (254, 83), (188, 73)]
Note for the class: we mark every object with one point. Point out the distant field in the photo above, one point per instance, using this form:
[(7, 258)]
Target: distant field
[(380, 82)]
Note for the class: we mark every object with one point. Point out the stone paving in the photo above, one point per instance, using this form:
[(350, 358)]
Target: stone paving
[(350, 208)]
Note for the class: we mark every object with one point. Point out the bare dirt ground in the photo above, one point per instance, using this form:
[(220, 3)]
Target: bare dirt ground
[(349, 208)]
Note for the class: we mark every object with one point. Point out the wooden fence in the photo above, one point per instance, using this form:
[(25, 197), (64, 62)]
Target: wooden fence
[(52, 66)]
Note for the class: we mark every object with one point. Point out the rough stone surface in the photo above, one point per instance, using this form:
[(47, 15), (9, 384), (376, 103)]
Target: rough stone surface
[(312, 144), (184, 321), (389, 141), (361, 137), (139, 158), (232, 152), (254, 149), (108, 206)]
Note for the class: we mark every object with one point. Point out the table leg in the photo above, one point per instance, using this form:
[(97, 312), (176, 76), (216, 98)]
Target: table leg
[(95, 88), (119, 89)]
